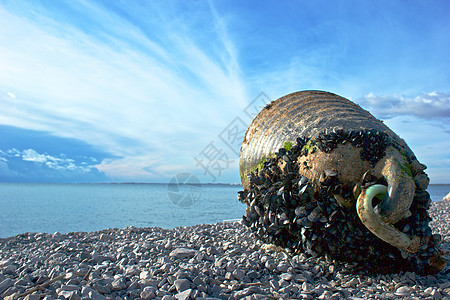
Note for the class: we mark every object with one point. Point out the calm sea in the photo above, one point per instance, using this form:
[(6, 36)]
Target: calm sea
[(29, 207)]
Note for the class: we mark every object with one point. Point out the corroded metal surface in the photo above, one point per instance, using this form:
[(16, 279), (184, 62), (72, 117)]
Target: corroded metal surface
[(304, 114)]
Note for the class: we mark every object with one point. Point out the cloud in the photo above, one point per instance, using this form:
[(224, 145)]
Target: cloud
[(31, 166), (31, 155), (138, 94), (431, 106)]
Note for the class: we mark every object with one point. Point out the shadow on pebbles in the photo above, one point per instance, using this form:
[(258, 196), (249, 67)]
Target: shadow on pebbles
[(219, 261)]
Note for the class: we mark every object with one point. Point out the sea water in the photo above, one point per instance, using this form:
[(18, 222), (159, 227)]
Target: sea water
[(37, 207)]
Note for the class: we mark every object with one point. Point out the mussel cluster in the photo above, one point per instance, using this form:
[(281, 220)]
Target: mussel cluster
[(284, 208), (372, 143)]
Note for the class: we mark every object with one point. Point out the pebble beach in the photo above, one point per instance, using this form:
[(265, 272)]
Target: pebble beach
[(208, 261)]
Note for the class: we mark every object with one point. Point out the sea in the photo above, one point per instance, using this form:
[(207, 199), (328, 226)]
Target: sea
[(50, 208)]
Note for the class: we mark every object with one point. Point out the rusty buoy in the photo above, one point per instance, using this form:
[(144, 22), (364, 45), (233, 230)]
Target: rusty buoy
[(322, 175)]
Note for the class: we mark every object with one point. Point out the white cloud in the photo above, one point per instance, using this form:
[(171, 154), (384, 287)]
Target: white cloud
[(11, 95), (14, 152), (434, 105), (52, 162), (32, 155)]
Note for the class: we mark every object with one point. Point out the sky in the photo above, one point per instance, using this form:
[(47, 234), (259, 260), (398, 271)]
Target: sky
[(140, 91)]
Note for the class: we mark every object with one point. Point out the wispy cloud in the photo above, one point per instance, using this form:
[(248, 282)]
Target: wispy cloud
[(117, 85)]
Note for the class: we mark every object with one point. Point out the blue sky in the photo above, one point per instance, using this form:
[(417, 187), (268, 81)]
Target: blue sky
[(119, 91)]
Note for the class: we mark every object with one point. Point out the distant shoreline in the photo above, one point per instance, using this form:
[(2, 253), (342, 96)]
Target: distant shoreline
[(129, 183), (159, 183)]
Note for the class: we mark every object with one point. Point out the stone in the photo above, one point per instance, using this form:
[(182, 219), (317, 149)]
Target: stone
[(239, 274), (182, 285), (85, 290), (183, 253), (12, 297), (258, 297), (446, 198), (300, 278), (270, 265), (197, 281), (286, 276), (132, 270), (70, 288), (428, 290), (282, 267), (145, 275), (12, 290), (89, 293), (351, 283), (274, 284), (134, 285), (72, 295), (246, 292), (98, 258), (148, 282), (6, 262), (306, 287), (436, 294), (106, 237), (6, 284), (336, 296), (230, 266), (181, 274), (32, 297), (164, 260), (184, 295), (403, 291), (119, 284), (325, 295), (10, 270), (148, 293)]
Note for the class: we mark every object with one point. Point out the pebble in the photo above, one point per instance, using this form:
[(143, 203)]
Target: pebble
[(105, 237), (184, 295), (5, 284), (155, 263), (403, 291), (32, 297), (286, 276), (182, 253), (239, 274), (351, 283), (148, 293), (446, 197), (182, 285)]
